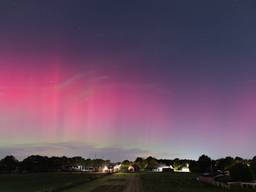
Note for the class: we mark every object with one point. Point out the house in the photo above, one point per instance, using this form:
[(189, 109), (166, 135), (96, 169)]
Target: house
[(163, 168), (107, 169), (117, 168), (111, 168), (183, 169), (89, 169), (131, 168)]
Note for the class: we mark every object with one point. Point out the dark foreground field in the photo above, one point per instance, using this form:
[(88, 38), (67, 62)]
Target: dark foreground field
[(178, 182), (44, 182), (139, 182)]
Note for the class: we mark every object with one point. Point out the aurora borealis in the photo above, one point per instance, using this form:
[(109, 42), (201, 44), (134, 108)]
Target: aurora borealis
[(111, 78)]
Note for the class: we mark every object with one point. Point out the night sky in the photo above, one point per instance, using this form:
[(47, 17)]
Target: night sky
[(120, 79)]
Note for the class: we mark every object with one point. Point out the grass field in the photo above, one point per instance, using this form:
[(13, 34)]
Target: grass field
[(134, 182), (112, 183), (44, 182), (178, 182)]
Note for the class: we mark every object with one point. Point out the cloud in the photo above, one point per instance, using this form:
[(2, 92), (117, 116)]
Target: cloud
[(103, 77), (72, 149), (80, 76), (70, 80)]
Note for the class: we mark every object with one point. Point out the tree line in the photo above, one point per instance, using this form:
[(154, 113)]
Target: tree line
[(37, 163), (237, 166)]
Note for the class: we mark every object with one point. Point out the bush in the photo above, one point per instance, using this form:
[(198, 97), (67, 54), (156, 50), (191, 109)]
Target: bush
[(253, 165), (194, 167), (241, 172)]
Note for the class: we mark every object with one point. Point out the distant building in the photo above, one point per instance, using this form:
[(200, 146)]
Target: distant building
[(107, 169), (89, 169), (163, 168), (111, 168), (117, 168), (183, 169), (131, 169)]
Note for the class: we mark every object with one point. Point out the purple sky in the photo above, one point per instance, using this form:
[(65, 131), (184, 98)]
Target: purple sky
[(123, 79)]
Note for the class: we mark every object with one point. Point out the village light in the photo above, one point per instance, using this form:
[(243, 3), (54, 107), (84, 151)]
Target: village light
[(105, 169), (185, 170), (131, 168), (117, 168)]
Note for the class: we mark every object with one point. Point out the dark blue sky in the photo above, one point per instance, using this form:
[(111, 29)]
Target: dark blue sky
[(201, 39)]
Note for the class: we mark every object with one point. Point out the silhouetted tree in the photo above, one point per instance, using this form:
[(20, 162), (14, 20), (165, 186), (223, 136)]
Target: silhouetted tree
[(241, 172), (177, 164), (167, 162), (35, 163), (55, 164), (97, 163), (224, 163), (8, 164), (77, 161), (124, 165), (205, 164), (88, 163), (151, 163), (253, 165), (194, 167), (239, 159), (126, 162), (140, 163)]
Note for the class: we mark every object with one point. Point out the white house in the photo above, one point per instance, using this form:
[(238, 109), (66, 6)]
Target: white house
[(111, 168), (107, 169), (117, 168), (161, 167), (183, 169), (131, 168)]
